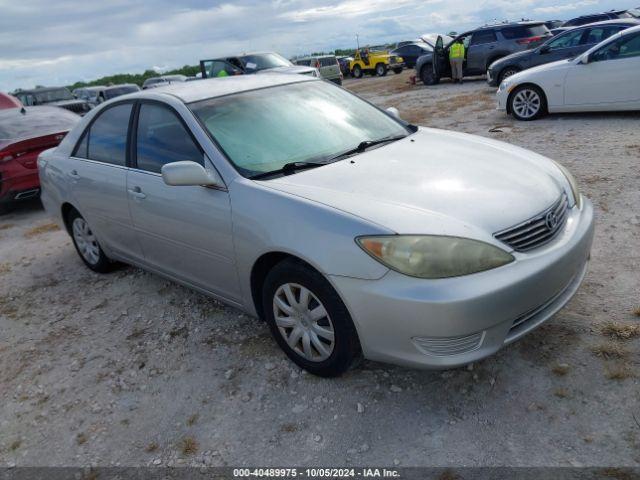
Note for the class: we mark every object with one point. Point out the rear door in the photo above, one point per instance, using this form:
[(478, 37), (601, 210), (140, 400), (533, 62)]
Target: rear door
[(185, 232), (481, 48), (97, 173), (610, 79)]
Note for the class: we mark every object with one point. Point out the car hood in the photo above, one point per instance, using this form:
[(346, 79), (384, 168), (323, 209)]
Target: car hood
[(436, 182), (518, 56), (299, 69)]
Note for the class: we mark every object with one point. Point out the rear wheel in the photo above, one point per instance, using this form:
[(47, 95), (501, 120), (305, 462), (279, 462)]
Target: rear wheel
[(527, 102), (87, 244), (507, 72), (381, 69), (357, 71), (427, 76), (308, 319)]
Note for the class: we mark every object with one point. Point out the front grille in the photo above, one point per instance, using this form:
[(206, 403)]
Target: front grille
[(538, 230), (393, 60), (444, 346), (75, 107)]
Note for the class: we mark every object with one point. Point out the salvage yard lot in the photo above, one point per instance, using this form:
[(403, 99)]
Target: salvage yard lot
[(131, 369)]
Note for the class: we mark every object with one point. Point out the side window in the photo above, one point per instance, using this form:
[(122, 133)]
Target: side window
[(107, 136), (568, 40), (162, 139), (625, 47), (598, 34), (483, 36)]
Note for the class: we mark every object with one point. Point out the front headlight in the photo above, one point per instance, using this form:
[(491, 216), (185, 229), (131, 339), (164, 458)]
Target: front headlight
[(430, 256), (575, 190)]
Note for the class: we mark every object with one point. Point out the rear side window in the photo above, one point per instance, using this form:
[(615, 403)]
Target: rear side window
[(483, 36), (524, 31), (162, 139), (598, 34), (106, 139)]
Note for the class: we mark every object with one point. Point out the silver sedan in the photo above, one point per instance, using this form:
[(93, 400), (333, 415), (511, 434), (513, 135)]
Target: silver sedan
[(349, 231)]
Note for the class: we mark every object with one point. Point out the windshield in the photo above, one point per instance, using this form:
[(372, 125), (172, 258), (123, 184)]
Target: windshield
[(264, 61), (56, 95), (262, 130), (117, 91)]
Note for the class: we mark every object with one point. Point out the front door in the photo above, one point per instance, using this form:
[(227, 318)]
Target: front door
[(610, 79), (438, 58), (184, 231)]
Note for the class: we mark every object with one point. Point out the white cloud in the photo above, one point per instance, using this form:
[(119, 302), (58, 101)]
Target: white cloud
[(566, 7)]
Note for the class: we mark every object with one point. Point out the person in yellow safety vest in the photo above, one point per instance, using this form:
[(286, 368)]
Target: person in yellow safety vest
[(222, 73), (456, 59)]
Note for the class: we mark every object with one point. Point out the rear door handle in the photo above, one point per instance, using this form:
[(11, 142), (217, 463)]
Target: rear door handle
[(137, 192), (74, 174)]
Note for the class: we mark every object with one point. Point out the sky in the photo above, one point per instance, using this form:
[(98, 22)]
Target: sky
[(59, 42)]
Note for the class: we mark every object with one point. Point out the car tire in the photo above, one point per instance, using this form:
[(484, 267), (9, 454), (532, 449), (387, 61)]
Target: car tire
[(527, 102), (325, 343), (87, 244), (357, 72), (506, 73), (427, 76), (381, 69), (397, 70)]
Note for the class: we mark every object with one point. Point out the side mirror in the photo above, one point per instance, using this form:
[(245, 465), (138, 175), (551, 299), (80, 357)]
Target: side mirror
[(544, 49), (393, 111), (583, 60), (189, 174)]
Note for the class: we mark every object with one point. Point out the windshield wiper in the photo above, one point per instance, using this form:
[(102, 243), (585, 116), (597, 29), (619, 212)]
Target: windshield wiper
[(287, 169), (362, 146)]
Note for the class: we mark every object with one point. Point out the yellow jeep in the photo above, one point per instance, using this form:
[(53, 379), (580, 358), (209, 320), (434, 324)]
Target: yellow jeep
[(374, 63)]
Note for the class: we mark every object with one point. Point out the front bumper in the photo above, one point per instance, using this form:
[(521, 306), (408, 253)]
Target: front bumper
[(452, 322), (492, 78), (501, 98)]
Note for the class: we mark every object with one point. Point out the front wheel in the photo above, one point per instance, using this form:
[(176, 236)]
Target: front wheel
[(507, 72), (381, 69), (427, 76), (527, 102), (357, 72), (308, 319), (87, 244)]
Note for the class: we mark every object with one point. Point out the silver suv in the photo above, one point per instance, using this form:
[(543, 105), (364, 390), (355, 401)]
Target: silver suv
[(483, 46), (327, 65)]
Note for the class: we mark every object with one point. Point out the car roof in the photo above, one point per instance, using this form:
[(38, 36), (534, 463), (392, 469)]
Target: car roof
[(41, 89), (218, 87), (511, 24)]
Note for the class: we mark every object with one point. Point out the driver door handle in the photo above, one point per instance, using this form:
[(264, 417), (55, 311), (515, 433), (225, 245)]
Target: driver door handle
[(137, 193), (74, 174)]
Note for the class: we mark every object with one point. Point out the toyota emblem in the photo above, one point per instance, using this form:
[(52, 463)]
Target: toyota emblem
[(551, 220)]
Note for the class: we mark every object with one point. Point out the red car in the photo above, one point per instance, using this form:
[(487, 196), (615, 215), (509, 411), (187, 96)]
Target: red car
[(9, 101), (24, 133)]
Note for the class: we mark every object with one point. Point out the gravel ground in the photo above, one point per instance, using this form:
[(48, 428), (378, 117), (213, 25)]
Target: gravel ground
[(130, 369)]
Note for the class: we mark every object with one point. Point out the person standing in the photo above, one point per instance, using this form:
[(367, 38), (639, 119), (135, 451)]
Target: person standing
[(456, 59)]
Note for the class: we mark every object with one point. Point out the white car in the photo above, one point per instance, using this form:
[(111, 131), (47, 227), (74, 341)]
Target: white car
[(604, 78)]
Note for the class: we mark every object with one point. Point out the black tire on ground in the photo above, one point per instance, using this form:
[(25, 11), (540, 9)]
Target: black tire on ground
[(346, 347), (427, 76), (381, 69), (102, 263), (357, 71), (397, 70), (537, 103), (507, 72)]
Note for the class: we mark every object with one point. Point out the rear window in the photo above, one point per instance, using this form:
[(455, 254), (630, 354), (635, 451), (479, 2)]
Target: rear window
[(524, 31), (328, 61), (36, 122), (304, 63)]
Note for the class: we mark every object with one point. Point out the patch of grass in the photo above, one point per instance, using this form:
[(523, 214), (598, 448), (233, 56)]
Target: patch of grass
[(562, 393), (622, 331), (192, 419), (448, 475), (561, 369), (189, 446), (81, 438), (15, 445), (152, 447), (619, 371), (4, 268), (636, 312), (289, 428), (609, 350), (6, 226), (40, 229)]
